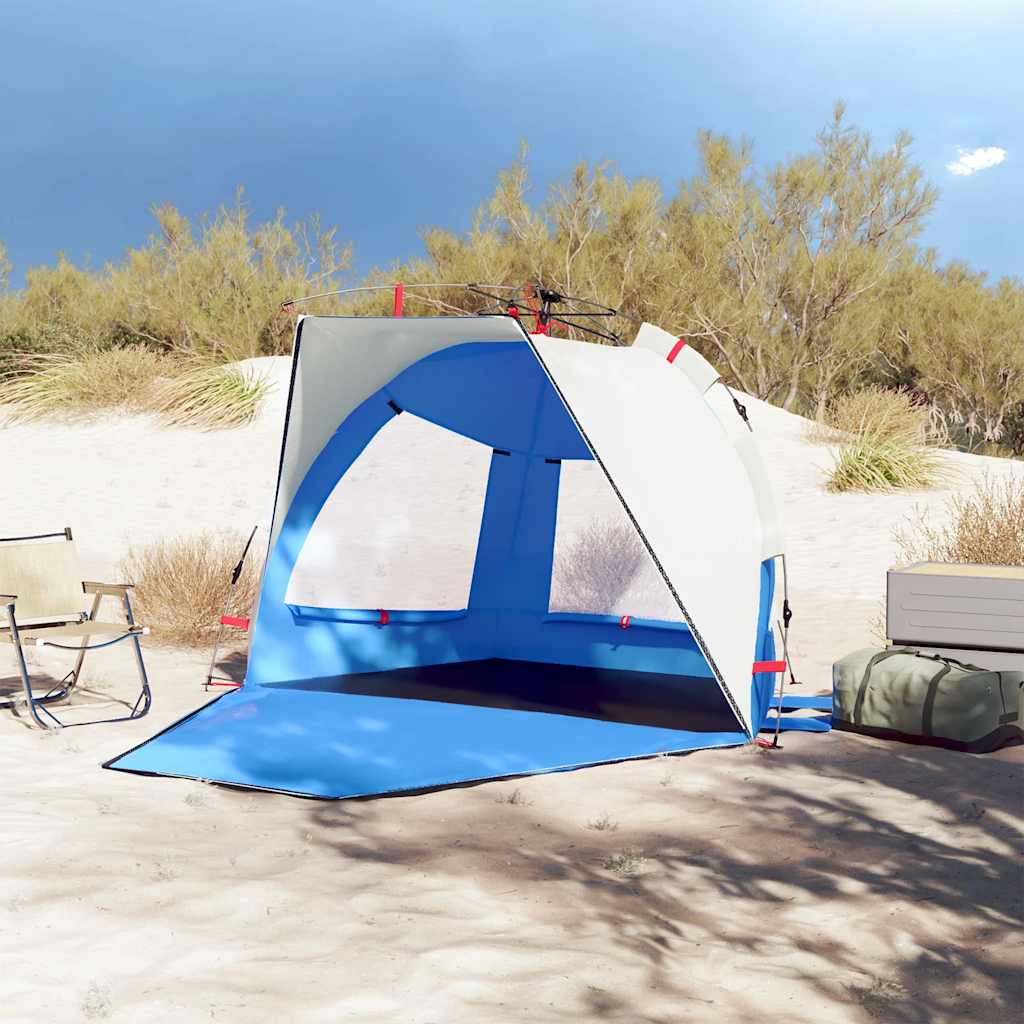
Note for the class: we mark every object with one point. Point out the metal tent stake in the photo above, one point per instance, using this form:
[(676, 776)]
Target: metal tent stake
[(229, 622)]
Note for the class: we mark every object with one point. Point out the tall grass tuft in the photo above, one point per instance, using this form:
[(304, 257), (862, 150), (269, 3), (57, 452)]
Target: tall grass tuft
[(211, 397), (72, 385), (887, 444), (181, 585), (984, 526), (134, 379)]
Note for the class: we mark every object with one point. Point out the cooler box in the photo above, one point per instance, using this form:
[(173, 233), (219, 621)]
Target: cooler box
[(973, 613)]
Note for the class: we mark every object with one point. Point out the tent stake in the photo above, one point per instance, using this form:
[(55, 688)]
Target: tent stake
[(231, 621)]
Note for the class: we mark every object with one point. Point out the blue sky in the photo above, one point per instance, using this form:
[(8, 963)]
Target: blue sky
[(386, 118)]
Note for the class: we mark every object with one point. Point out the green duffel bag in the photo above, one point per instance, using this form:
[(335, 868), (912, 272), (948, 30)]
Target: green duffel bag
[(900, 693)]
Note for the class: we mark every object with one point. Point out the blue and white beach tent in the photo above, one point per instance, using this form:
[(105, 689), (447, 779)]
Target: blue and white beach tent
[(495, 553)]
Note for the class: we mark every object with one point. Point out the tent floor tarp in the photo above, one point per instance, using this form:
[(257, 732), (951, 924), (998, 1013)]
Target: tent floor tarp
[(412, 729)]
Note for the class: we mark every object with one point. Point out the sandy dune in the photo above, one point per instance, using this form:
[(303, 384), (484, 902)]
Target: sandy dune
[(840, 880)]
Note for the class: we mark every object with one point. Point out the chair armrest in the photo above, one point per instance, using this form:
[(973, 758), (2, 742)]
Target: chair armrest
[(8, 598), (107, 589)]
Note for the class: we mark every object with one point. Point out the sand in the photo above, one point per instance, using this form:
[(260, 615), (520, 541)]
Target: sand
[(841, 879)]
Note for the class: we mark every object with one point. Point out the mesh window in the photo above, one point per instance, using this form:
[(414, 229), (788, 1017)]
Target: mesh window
[(400, 529), (601, 566)]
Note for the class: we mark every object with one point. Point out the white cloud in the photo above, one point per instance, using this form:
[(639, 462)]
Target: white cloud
[(972, 160)]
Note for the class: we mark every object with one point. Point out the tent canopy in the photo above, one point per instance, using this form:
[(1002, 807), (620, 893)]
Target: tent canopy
[(414, 447)]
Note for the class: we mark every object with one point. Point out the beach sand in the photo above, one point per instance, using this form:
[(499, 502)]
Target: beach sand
[(841, 879)]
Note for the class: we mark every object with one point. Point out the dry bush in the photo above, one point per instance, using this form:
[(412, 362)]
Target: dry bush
[(134, 379), (882, 412), (597, 569), (888, 447), (985, 527), (181, 585)]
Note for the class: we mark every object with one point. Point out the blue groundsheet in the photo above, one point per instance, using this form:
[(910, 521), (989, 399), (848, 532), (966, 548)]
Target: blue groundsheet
[(368, 735)]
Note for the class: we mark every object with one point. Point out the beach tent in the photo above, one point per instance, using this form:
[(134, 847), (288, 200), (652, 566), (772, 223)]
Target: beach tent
[(495, 553)]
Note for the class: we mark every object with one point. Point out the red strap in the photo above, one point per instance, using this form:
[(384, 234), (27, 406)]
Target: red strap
[(213, 681), (676, 349), (399, 298), (234, 621), (624, 621), (384, 617), (769, 666)]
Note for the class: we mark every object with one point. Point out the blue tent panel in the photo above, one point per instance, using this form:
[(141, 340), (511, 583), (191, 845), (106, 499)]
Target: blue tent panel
[(332, 745)]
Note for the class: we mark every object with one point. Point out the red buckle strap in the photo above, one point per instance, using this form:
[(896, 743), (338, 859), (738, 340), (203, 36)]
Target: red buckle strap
[(625, 621), (385, 618), (234, 621), (769, 666), (676, 349)]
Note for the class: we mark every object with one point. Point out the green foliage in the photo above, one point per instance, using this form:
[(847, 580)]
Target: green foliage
[(961, 344), (870, 464), (801, 281), (211, 291)]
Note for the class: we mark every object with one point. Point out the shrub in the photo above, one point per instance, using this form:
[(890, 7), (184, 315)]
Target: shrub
[(985, 526), (209, 290), (181, 585), (889, 443), (884, 412), (597, 568)]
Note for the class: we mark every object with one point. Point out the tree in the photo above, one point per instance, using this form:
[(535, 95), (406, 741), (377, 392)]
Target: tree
[(785, 261)]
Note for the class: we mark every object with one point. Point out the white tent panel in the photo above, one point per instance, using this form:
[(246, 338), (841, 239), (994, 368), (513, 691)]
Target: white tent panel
[(696, 368), (744, 440), (344, 360), (398, 540), (704, 377), (685, 485)]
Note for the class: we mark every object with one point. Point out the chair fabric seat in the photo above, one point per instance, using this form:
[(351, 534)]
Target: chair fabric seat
[(71, 629)]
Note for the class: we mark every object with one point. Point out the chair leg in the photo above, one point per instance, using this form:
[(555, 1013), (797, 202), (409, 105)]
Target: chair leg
[(34, 706), (145, 696), (75, 674)]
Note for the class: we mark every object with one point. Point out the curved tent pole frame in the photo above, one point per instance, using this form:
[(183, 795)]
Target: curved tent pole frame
[(541, 301)]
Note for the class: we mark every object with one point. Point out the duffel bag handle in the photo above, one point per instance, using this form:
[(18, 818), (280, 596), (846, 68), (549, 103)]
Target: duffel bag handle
[(952, 661)]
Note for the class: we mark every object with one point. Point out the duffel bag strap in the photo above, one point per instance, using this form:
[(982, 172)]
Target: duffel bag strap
[(862, 690), (928, 708)]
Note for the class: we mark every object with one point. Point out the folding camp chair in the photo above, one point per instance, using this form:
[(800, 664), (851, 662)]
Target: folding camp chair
[(46, 604)]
